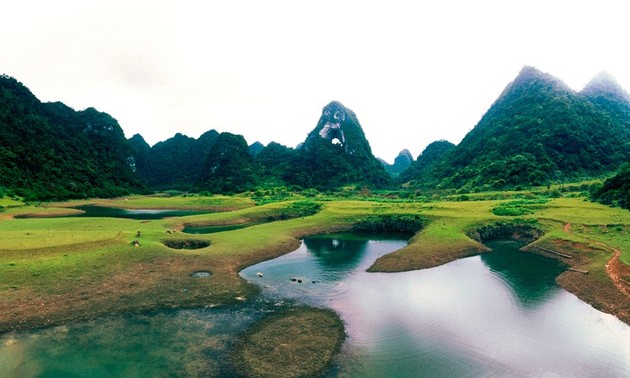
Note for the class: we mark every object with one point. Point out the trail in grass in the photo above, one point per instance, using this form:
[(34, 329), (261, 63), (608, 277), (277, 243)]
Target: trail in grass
[(614, 267)]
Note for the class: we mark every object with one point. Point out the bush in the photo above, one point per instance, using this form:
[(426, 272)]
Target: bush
[(518, 207), (405, 223)]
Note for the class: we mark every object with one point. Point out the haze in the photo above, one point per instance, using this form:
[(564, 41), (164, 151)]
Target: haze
[(413, 73)]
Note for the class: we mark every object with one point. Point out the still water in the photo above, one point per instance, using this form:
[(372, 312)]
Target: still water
[(499, 314), (92, 211)]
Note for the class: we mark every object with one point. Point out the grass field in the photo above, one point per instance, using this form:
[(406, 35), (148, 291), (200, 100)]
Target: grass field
[(55, 270)]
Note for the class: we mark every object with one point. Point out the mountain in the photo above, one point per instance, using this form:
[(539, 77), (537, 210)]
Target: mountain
[(176, 163), (422, 169), (255, 148), (336, 153), (274, 161), (401, 163), (604, 91), (50, 151), (229, 168), (538, 131)]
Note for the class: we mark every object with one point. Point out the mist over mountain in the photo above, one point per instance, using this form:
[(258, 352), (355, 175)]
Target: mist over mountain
[(402, 161)]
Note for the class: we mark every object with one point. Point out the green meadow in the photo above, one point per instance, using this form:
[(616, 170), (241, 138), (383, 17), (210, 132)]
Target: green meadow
[(60, 269)]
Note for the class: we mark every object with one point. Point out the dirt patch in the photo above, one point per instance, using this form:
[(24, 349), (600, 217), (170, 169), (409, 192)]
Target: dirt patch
[(618, 272), (187, 244)]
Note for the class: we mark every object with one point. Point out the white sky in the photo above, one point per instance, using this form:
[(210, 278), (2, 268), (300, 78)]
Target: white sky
[(412, 71)]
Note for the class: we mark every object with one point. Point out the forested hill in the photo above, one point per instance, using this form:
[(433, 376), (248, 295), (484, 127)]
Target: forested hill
[(540, 131), (50, 151), (336, 153), (176, 163)]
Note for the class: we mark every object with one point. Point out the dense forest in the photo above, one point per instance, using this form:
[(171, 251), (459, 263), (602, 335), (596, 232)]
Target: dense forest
[(336, 153), (176, 163), (539, 131), (49, 151)]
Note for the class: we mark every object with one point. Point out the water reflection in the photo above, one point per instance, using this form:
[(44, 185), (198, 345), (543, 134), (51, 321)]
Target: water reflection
[(337, 254), (531, 277), (143, 214), (464, 318), (458, 319)]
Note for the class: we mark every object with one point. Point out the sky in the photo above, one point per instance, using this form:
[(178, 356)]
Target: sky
[(412, 71)]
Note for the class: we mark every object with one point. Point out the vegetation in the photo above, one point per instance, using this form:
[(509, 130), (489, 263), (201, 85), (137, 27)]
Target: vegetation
[(336, 153), (48, 151), (57, 270), (401, 163), (616, 189), (229, 167), (400, 223), (177, 163), (421, 171), (305, 340), (538, 134), (518, 207), (538, 131)]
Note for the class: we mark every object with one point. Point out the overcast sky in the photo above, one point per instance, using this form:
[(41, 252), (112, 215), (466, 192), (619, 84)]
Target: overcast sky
[(412, 71)]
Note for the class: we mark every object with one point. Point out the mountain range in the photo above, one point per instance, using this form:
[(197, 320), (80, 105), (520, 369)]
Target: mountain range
[(537, 131)]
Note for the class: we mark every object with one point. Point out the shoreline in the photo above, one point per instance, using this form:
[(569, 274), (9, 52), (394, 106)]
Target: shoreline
[(88, 273)]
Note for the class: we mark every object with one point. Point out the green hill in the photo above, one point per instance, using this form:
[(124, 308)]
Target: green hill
[(229, 168), (540, 131), (336, 153), (176, 163), (422, 169), (49, 151)]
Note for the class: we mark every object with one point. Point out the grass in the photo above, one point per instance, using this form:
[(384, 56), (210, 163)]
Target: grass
[(183, 202), (57, 270)]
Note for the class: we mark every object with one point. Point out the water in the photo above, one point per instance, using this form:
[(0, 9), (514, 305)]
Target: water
[(144, 214), (496, 314)]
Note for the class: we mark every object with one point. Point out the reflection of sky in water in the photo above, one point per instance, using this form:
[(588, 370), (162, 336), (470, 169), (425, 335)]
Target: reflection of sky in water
[(467, 318), (474, 316)]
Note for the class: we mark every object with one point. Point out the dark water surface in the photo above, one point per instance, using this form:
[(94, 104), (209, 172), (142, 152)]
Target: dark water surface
[(144, 214), (499, 314)]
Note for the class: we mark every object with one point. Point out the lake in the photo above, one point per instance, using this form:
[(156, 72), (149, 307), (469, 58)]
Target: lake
[(496, 314)]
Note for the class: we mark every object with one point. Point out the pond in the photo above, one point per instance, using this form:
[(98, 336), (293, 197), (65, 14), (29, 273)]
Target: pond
[(143, 214), (496, 314)]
